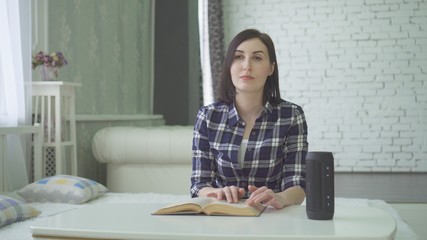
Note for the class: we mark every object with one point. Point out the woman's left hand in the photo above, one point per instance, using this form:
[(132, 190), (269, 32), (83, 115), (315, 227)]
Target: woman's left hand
[(265, 196)]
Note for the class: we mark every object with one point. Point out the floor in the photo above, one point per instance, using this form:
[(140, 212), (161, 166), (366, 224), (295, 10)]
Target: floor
[(406, 192), (414, 214), (390, 187)]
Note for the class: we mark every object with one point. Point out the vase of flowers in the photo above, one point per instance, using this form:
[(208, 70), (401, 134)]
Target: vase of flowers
[(49, 64)]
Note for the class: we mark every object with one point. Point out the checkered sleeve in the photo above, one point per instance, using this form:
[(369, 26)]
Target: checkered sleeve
[(296, 148), (203, 160)]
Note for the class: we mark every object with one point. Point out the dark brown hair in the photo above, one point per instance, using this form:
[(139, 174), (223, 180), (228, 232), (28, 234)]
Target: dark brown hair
[(227, 91)]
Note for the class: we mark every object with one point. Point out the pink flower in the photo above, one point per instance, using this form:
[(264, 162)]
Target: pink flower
[(55, 59)]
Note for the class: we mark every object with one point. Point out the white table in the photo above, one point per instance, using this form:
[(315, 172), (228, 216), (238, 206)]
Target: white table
[(134, 221)]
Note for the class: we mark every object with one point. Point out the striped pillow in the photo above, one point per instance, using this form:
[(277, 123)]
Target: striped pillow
[(12, 210), (62, 189)]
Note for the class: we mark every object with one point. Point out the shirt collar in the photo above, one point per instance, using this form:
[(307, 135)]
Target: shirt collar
[(268, 108), (233, 115)]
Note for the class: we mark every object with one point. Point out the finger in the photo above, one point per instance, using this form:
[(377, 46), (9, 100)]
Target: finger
[(254, 198), (228, 194), (241, 192), (277, 201), (220, 195), (260, 190), (274, 203), (261, 198), (261, 195), (235, 193), (269, 198), (252, 188), (257, 192), (212, 194)]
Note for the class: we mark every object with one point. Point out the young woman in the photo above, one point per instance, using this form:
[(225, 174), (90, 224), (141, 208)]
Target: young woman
[(251, 143)]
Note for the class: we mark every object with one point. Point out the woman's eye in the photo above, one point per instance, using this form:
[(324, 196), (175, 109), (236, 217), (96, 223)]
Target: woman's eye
[(237, 57), (258, 58)]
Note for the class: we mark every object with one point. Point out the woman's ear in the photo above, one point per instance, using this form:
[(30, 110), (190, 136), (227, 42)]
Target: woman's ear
[(272, 66)]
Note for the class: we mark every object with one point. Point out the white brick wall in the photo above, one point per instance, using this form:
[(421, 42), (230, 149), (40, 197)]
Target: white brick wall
[(359, 70)]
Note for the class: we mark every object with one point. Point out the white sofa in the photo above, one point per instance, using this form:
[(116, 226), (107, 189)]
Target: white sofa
[(146, 159)]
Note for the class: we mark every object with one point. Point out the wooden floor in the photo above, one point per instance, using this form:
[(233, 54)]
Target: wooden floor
[(390, 187)]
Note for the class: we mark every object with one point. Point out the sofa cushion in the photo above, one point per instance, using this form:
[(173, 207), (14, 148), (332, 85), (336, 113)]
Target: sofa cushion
[(62, 189), (13, 210)]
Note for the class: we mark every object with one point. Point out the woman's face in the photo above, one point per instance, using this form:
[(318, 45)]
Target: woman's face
[(251, 66)]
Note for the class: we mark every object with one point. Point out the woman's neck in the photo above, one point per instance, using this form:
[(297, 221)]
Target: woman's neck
[(249, 106)]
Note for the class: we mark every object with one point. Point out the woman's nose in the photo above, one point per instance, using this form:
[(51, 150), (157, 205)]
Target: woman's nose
[(247, 65)]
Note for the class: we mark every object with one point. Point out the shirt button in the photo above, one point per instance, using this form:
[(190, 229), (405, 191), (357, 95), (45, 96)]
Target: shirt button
[(249, 149), (243, 185), (253, 133)]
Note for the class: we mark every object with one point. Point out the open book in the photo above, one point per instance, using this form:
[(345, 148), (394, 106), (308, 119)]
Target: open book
[(211, 206)]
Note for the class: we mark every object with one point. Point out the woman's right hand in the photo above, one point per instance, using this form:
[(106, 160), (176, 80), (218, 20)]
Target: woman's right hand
[(231, 194)]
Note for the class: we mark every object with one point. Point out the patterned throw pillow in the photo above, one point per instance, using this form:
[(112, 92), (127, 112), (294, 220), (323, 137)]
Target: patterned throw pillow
[(12, 210), (62, 189)]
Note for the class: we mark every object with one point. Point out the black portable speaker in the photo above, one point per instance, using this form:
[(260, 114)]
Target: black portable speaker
[(320, 194)]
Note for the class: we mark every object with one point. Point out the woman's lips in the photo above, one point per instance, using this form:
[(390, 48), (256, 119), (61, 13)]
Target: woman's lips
[(246, 77)]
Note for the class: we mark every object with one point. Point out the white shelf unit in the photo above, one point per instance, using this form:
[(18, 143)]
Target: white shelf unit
[(54, 110)]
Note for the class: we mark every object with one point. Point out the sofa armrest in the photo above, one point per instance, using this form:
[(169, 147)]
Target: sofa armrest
[(154, 145)]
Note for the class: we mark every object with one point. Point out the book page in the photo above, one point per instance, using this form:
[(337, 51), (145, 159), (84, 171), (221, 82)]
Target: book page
[(193, 205), (240, 204), (234, 209)]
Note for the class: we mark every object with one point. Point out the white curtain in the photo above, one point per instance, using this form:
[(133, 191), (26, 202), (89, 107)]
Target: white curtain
[(15, 94), (208, 93), (211, 47)]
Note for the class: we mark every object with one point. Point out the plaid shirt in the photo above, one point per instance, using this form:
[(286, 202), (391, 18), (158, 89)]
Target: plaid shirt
[(275, 155)]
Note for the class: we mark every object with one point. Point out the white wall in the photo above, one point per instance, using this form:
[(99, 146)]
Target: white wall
[(359, 70)]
